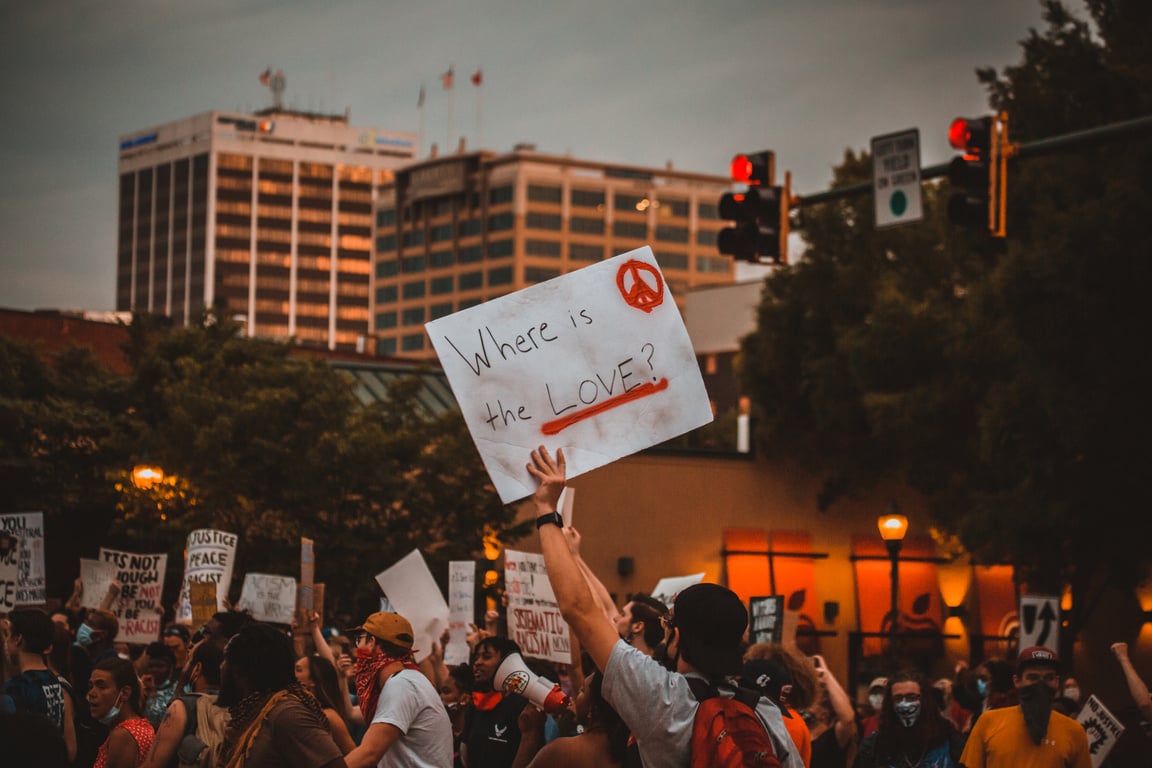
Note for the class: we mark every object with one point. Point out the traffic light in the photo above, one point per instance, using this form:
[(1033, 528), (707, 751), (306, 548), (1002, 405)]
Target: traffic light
[(979, 177), (759, 214)]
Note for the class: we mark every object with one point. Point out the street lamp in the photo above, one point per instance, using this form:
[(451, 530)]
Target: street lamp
[(893, 526), (144, 476)]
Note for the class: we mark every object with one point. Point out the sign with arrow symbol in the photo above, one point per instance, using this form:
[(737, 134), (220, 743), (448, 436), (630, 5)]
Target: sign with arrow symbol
[(1039, 621)]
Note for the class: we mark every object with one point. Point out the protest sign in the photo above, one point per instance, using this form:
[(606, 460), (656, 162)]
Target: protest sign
[(202, 597), (29, 528), (567, 504), (269, 598), (137, 607), (461, 609), (96, 576), (596, 361), (666, 589), (209, 555), (534, 619), (9, 570), (765, 619), (1102, 727), (415, 595)]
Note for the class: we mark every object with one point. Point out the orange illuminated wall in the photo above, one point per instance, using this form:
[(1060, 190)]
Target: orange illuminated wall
[(921, 609), (746, 563), (996, 593), (794, 577)]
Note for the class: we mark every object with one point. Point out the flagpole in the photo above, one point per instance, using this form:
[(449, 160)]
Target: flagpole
[(420, 109), (451, 111), (478, 81)]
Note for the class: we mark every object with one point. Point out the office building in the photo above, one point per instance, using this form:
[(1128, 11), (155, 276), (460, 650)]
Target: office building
[(265, 217), (456, 230)]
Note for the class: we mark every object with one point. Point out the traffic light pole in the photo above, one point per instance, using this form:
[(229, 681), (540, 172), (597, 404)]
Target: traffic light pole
[(1036, 148)]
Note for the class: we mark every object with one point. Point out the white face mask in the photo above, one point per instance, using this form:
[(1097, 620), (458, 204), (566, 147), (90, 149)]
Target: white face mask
[(876, 700), (1072, 692)]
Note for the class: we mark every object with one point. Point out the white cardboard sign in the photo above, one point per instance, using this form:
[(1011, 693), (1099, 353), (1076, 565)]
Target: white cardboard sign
[(666, 589), (534, 619), (208, 557), (596, 361), (269, 598), (141, 578), (414, 594), (1102, 727), (29, 527), (96, 576), (461, 609), (9, 570)]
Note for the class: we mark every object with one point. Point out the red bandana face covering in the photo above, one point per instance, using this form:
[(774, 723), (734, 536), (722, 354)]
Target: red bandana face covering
[(368, 666)]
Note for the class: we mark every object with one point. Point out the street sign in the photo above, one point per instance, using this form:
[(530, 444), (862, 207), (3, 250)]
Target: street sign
[(896, 178), (1039, 621)]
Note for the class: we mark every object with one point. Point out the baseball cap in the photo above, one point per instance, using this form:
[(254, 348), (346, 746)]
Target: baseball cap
[(711, 620), (768, 676), (879, 682), (389, 627), (1037, 655)]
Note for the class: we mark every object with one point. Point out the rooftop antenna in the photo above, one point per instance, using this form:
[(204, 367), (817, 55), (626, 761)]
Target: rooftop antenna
[(274, 83)]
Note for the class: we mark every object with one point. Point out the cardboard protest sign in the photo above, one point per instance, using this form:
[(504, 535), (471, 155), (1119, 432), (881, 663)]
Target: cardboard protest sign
[(765, 619), (415, 595), (96, 576), (9, 570), (202, 597), (534, 619), (461, 609), (29, 528), (209, 555), (137, 607), (596, 361), (666, 589), (269, 598), (1102, 727)]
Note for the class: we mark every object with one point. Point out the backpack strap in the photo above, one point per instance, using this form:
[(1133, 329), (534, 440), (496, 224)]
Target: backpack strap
[(190, 717), (702, 689)]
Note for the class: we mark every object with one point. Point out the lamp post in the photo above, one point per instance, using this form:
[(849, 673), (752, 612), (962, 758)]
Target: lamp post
[(892, 527)]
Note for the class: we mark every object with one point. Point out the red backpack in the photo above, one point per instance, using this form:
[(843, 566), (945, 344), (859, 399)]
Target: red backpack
[(727, 732)]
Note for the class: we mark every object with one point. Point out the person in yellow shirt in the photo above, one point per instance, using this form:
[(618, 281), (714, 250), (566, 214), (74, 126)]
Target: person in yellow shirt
[(1030, 734)]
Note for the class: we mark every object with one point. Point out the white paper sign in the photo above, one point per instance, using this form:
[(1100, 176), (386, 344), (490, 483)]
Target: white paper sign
[(9, 570), (534, 619), (208, 557), (1102, 727), (596, 361), (461, 609), (141, 580), (666, 589), (415, 595), (29, 527), (96, 576), (269, 598), (567, 504)]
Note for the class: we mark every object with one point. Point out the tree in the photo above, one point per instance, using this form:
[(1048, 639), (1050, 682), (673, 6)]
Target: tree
[(1000, 380)]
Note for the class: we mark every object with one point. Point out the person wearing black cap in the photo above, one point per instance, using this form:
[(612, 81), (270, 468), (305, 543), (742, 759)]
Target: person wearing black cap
[(704, 633), (1030, 733), (765, 671)]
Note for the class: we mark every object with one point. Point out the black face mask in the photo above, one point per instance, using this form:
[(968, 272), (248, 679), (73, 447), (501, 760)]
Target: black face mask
[(1036, 705)]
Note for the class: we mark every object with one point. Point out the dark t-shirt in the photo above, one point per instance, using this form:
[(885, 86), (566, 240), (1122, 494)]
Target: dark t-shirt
[(38, 691), (294, 737), (492, 736)]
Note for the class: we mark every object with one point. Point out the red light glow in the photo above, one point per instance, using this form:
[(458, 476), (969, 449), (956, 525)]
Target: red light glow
[(741, 169), (959, 133)]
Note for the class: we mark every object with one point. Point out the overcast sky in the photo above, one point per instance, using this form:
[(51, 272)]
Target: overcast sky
[(631, 81)]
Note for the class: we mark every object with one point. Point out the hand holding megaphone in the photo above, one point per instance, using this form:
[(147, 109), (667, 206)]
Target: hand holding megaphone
[(513, 676)]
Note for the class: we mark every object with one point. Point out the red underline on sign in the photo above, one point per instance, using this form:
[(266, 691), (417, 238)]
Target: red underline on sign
[(556, 426)]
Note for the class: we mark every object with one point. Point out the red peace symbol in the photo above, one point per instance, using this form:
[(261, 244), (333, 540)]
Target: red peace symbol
[(640, 293)]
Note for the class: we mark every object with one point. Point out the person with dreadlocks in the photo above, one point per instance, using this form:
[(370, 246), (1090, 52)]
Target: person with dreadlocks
[(274, 720), (408, 725)]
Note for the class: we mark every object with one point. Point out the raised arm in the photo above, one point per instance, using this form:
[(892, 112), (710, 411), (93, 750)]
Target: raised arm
[(579, 607), (1136, 686), (611, 612), (841, 704)]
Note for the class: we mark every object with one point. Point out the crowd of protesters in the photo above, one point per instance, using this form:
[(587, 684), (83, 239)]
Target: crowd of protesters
[(238, 693)]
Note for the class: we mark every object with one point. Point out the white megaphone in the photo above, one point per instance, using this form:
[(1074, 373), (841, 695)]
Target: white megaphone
[(513, 676)]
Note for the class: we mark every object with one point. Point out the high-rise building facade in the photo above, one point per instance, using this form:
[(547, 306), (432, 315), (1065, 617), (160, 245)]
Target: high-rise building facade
[(457, 230), (266, 218)]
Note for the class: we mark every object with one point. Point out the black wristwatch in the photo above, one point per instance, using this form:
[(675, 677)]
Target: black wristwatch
[(552, 517)]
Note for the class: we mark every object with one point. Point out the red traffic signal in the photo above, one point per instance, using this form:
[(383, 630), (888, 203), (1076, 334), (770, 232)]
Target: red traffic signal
[(759, 232), (755, 169), (973, 135)]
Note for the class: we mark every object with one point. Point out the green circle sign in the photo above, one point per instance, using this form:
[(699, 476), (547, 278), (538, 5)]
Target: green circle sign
[(898, 203)]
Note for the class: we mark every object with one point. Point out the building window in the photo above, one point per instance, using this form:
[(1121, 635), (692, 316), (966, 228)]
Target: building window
[(387, 268), (500, 249), (442, 285), (471, 280), (413, 342), (386, 218), (386, 320), (585, 225), (414, 316), (705, 237), (672, 234), (470, 227), (549, 248), (713, 264), (414, 290), (672, 260), (543, 221), (582, 252), (588, 198), (471, 254), (386, 294), (441, 259), (440, 207), (386, 346), (500, 222), (441, 232), (413, 264), (441, 310), (539, 274), (413, 237), (500, 276), (708, 210), (385, 243), (465, 303), (674, 207), (632, 229), (500, 195), (632, 203), (541, 194)]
